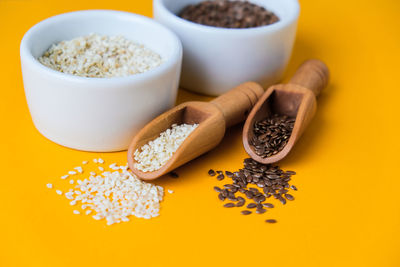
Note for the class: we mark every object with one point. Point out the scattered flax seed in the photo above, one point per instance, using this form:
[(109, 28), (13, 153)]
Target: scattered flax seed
[(50, 186)]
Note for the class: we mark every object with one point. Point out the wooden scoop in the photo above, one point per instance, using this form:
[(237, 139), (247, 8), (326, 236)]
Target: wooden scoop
[(296, 99), (213, 118)]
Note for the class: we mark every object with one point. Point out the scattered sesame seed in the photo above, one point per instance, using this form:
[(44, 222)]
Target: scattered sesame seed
[(72, 172), (50, 186), (170, 191), (64, 176), (95, 160), (79, 169), (100, 160), (85, 162), (115, 195)]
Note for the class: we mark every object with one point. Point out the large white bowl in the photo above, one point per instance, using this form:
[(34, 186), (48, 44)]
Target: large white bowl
[(98, 114), (217, 59)]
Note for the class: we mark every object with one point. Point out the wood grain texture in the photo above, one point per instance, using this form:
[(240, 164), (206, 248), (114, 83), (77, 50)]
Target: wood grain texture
[(213, 118)]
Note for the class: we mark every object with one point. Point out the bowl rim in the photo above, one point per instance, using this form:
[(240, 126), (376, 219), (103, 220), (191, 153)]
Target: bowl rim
[(26, 55), (282, 23)]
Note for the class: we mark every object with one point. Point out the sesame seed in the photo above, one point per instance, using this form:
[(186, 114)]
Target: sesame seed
[(100, 160), (72, 172), (101, 168), (49, 186), (170, 191), (88, 212), (59, 192), (79, 169), (76, 212), (64, 176), (71, 181), (85, 162), (95, 160)]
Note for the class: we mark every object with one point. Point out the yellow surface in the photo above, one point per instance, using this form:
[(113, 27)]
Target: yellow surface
[(347, 209)]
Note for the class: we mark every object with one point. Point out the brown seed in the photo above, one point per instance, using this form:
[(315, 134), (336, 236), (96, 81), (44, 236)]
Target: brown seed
[(246, 212), (291, 172), (261, 211), (211, 172), (251, 205), (249, 195), (270, 221), (220, 177), (293, 187), (282, 200), (217, 189), (229, 205), (229, 174), (221, 197), (268, 205), (240, 204), (289, 197)]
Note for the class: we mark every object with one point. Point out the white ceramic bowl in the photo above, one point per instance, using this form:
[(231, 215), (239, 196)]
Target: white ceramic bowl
[(98, 114), (217, 59)]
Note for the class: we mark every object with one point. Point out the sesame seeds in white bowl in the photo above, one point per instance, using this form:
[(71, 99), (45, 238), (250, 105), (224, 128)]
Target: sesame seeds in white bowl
[(101, 112)]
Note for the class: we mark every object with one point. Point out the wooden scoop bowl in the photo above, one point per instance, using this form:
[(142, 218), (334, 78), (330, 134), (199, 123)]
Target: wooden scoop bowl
[(213, 118), (296, 99)]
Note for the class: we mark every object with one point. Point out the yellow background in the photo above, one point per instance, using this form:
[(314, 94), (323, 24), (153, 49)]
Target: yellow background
[(347, 209)]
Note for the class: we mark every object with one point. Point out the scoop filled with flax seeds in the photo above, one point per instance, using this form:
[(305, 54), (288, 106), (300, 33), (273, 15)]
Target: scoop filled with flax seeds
[(282, 114)]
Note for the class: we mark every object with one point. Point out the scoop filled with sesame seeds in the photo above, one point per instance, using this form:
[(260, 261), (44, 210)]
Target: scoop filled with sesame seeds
[(204, 123)]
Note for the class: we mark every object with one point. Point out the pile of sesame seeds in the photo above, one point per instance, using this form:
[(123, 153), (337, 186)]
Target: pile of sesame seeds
[(100, 56), (114, 194)]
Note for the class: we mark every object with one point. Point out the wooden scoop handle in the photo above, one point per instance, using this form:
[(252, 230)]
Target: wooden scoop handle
[(312, 74), (236, 104)]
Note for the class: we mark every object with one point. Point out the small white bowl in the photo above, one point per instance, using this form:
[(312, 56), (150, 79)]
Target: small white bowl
[(98, 114), (217, 59)]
